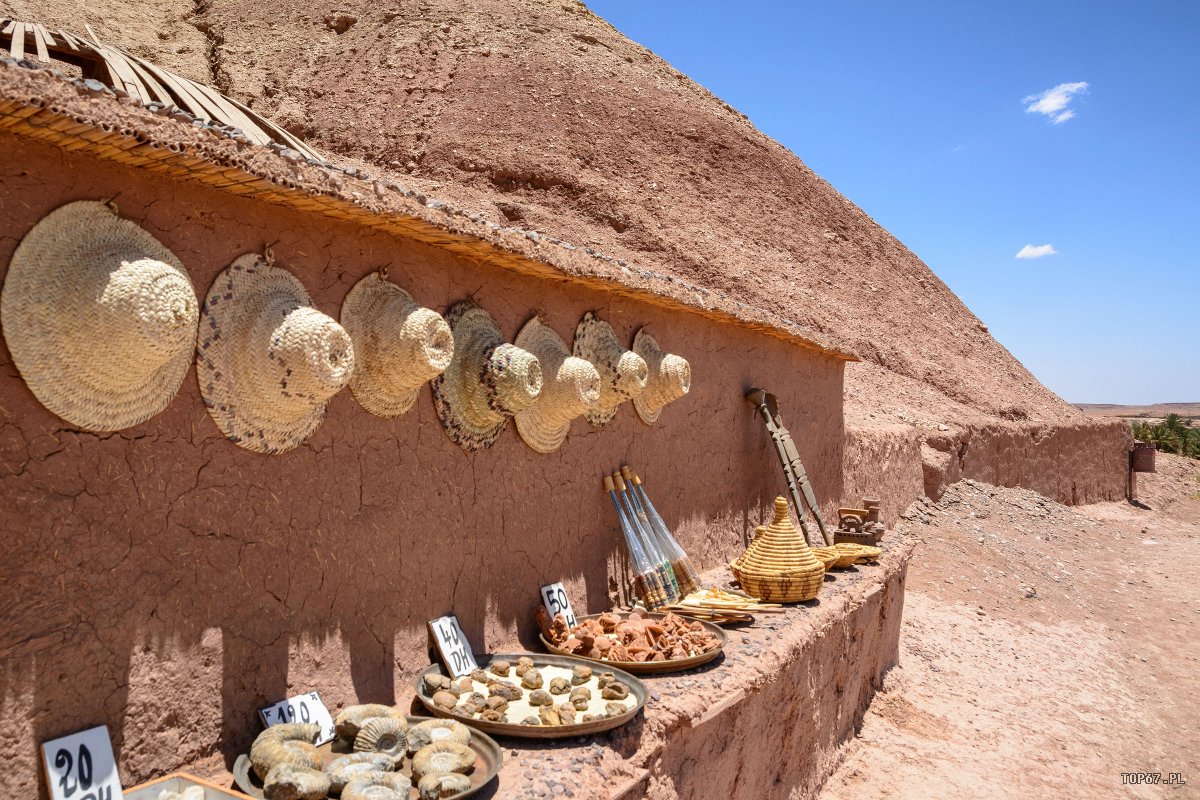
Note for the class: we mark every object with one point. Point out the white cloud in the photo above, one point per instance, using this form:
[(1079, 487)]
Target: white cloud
[(1037, 251), (1053, 103)]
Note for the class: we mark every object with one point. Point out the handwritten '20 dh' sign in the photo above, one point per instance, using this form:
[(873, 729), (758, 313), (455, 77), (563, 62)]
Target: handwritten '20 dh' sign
[(81, 766)]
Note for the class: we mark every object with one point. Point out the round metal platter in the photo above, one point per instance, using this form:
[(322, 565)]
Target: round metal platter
[(637, 690), (488, 760), (650, 667)]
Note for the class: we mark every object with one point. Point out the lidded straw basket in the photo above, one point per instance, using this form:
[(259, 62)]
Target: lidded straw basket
[(779, 566)]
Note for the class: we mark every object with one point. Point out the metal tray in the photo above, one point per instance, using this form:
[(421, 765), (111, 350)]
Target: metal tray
[(650, 667), (488, 760), (636, 688)]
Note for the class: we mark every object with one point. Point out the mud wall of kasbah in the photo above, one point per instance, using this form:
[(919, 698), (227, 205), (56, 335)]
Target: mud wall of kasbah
[(1084, 462), (168, 583)]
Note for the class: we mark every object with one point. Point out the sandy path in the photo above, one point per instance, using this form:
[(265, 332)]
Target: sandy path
[(1046, 650)]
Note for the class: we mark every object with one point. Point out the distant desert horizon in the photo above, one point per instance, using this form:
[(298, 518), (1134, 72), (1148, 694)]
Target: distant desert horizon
[(1149, 411)]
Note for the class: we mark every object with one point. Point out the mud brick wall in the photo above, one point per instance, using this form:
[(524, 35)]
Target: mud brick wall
[(167, 583)]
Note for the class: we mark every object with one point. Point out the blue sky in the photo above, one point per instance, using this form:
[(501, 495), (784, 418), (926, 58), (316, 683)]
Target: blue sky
[(916, 111)]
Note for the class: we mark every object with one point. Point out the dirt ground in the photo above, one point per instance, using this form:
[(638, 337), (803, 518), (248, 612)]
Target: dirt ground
[(1045, 650)]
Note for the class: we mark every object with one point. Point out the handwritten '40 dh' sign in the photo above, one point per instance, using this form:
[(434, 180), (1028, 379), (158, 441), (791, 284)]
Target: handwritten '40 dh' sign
[(453, 646)]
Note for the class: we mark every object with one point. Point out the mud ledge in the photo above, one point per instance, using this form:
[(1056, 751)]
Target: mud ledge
[(765, 721)]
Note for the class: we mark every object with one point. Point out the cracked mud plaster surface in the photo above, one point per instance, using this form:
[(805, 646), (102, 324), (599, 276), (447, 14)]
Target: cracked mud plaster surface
[(168, 583)]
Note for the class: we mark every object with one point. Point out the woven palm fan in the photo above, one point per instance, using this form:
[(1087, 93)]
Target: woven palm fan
[(779, 566), (623, 373), (829, 556), (398, 345), (487, 382), (266, 360), (99, 316), (862, 552), (570, 386), (669, 377)]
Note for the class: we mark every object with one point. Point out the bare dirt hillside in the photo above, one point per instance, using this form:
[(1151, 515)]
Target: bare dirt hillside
[(542, 115), (164, 31), (1045, 650)]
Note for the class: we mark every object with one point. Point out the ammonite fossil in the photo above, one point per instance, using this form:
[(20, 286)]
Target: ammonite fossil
[(290, 782), (383, 735), (289, 743), (378, 786), (439, 785), (443, 756), (344, 769), (351, 718), (437, 730)]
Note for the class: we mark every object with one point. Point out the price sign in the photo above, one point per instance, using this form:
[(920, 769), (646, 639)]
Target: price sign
[(81, 766), (453, 645), (301, 708), (554, 597)]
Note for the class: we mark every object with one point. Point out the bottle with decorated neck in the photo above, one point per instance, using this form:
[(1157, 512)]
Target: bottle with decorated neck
[(646, 582), (687, 577), (641, 525)]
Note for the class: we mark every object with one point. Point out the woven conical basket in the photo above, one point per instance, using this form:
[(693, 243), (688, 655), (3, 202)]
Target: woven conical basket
[(779, 566)]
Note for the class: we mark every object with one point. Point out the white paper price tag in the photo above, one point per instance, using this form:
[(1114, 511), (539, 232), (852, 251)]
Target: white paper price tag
[(301, 708), (554, 597), (81, 767), (453, 645)]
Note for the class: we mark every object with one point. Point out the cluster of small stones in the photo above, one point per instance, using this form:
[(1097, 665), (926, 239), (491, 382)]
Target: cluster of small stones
[(93, 87)]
